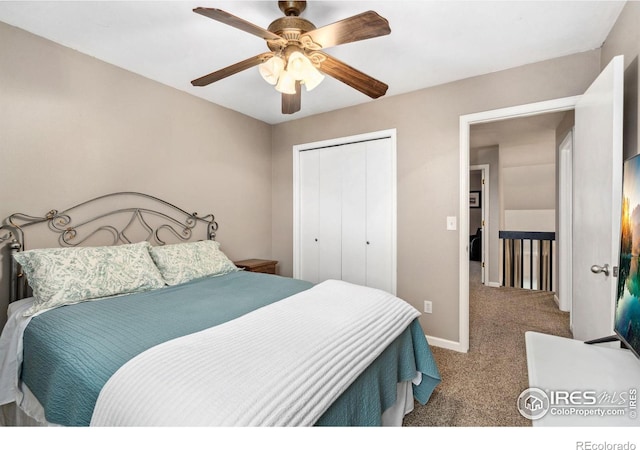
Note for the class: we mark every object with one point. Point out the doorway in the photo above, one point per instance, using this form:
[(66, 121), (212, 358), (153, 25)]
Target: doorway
[(532, 109)]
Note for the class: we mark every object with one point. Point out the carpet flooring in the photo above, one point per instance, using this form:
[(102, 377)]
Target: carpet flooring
[(481, 387)]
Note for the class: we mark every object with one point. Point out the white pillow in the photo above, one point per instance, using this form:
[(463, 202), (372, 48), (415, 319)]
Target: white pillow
[(63, 276), (179, 263)]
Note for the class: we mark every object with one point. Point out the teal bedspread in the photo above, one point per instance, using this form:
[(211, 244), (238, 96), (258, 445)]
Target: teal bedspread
[(71, 352)]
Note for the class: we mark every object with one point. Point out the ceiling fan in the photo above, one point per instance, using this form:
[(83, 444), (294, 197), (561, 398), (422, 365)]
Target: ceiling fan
[(295, 57)]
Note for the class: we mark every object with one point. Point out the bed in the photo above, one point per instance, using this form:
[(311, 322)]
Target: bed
[(159, 328)]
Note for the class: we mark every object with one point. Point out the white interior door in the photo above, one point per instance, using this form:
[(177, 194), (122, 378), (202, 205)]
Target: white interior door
[(367, 219), (309, 165), (330, 202), (380, 218), (597, 182), (354, 226)]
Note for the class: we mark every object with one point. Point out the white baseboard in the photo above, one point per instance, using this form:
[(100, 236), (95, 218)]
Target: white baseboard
[(493, 284), (557, 300), (445, 343)]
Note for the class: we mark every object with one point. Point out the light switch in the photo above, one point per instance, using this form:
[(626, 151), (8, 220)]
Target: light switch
[(451, 223)]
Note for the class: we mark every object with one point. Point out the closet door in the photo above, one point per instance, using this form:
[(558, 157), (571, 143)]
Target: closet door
[(354, 213), (310, 214), (346, 211), (380, 190), (330, 214), (321, 215)]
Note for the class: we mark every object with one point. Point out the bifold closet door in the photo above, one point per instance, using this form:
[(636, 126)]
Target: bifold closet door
[(309, 169), (346, 214), (321, 215), (379, 215), (354, 213), (330, 205), (367, 218)]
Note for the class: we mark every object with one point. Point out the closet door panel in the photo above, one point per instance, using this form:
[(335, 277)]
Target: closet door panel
[(309, 214), (354, 182), (330, 210), (379, 215)]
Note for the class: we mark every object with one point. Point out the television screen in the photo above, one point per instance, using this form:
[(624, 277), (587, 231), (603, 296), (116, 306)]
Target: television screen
[(627, 312)]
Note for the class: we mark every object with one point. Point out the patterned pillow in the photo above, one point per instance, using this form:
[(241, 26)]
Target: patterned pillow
[(63, 276), (179, 263)]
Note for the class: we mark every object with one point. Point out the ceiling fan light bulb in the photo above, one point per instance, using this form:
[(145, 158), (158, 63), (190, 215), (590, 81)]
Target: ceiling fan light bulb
[(298, 65), (313, 79), (271, 69), (286, 83)]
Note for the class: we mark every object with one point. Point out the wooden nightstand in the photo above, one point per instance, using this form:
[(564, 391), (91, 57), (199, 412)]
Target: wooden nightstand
[(257, 265)]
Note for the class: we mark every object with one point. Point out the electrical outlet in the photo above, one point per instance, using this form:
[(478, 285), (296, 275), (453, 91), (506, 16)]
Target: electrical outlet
[(427, 306)]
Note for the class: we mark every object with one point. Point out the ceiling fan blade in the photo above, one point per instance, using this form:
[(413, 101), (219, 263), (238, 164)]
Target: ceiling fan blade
[(233, 69), (352, 77), (366, 25), (291, 102), (241, 24)]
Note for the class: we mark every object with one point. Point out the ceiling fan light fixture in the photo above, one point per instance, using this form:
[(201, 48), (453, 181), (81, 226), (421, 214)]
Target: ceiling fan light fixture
[(295, 57), (313, 79), (301, 68), (298, 65), (271, 69), (286, 83)]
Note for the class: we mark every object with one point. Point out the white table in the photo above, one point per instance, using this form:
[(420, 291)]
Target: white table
[(559, 365)]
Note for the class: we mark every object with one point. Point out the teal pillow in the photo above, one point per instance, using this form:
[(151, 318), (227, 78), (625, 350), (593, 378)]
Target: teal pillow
[(63, 276), (179, 263)]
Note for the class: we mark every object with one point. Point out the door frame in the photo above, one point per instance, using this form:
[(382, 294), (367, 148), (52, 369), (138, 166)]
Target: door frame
[(485, 212), (530, 109), (297, 149)]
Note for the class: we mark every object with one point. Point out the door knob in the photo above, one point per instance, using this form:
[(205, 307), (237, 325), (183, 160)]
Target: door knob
[(600, 269)]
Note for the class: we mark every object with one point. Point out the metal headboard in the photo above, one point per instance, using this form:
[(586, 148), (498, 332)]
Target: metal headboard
[(73, 230)]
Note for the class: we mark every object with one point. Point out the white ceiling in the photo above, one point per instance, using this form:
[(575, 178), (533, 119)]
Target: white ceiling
[(431, 42)]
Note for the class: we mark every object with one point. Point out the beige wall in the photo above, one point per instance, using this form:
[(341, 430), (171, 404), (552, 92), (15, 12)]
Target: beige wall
[(427, 123), (73, 127), (527, 178)]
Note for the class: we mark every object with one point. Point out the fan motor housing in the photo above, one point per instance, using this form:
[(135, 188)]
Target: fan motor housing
[(290, 28)]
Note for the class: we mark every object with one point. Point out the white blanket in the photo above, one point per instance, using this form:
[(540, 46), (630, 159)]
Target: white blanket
[(281, 365)]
